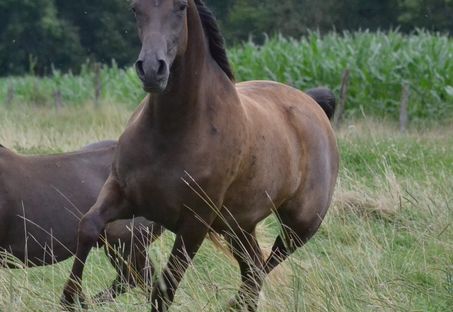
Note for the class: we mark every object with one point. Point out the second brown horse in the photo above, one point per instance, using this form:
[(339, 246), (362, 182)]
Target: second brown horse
[(203, 154), (42, 199)]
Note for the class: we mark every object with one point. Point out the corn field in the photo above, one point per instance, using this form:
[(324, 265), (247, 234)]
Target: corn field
[(379, 65)]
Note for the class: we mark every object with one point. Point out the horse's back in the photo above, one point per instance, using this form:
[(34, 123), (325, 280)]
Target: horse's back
[(274, 96), (100, 145)]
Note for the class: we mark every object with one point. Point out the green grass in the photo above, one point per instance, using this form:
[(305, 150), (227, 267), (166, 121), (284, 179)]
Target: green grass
[(386, 244), (380, 63)]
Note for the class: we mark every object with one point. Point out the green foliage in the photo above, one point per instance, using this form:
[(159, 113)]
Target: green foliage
[(106, 27), (38, 35), (379, 64), (244, 18), (32, 37), (430, 14), (118, 85)]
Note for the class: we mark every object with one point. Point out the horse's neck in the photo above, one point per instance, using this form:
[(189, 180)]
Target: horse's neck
[(194, 81)]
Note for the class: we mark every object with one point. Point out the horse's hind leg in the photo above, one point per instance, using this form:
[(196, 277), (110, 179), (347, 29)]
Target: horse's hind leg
[(247, 252), (299, 220), (126, 248)]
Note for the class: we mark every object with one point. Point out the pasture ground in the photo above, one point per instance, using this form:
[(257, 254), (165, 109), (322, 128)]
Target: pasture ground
[(386, 244)]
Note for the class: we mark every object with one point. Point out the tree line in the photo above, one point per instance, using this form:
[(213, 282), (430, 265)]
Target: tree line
[(39, 35)]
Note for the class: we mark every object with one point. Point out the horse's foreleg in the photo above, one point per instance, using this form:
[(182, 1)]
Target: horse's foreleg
[(247, 252), (126, 248), (110, 206), (188, 240)]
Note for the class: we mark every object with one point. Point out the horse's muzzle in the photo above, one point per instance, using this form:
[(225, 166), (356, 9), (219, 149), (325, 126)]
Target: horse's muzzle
[(153, 74)]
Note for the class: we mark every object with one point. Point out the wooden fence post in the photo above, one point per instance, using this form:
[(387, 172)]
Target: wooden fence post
[(404, 115), (58, 100), (97, 84), (338, 117), (10, 96)]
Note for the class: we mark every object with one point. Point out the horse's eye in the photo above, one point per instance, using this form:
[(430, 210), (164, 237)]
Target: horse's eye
[(181, 6), (134, 10)]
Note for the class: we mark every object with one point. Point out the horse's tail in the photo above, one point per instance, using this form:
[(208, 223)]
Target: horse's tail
[(325, 98)]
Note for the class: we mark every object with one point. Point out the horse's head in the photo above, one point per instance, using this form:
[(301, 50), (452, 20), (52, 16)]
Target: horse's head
[(162, 28)]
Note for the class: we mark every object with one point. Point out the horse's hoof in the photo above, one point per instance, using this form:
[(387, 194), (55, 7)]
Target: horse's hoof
[(70, 302), (104, 298), (234, 305), (241, 303)]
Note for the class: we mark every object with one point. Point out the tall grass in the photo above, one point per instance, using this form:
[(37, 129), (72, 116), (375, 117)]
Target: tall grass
[(380, 63), (386, 244)]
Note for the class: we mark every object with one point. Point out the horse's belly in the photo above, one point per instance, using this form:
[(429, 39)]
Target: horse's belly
[(33, 244), (247, 204)]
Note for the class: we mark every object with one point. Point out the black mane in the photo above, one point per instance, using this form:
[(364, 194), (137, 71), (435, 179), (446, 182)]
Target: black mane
[(215, 38)]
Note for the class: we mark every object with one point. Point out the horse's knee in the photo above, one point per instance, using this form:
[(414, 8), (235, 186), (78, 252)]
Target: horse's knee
[(89, 229)]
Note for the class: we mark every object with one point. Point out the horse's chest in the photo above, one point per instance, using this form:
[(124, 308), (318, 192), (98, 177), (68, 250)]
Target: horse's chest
[(158, 190)]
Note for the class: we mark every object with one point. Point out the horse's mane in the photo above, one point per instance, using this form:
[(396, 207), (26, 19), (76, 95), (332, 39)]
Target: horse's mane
[(215, 38)]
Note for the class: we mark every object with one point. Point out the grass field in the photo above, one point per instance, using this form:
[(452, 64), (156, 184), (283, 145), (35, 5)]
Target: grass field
[(386, 244)]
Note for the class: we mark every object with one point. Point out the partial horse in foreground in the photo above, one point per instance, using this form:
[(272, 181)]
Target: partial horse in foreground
[(42, 199), (204, 154)]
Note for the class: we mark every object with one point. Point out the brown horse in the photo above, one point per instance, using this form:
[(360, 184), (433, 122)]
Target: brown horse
[(203, 154), (42, 199)]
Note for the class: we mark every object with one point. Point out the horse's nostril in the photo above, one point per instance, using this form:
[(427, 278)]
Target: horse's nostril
[(139, 69), (161, 71)]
